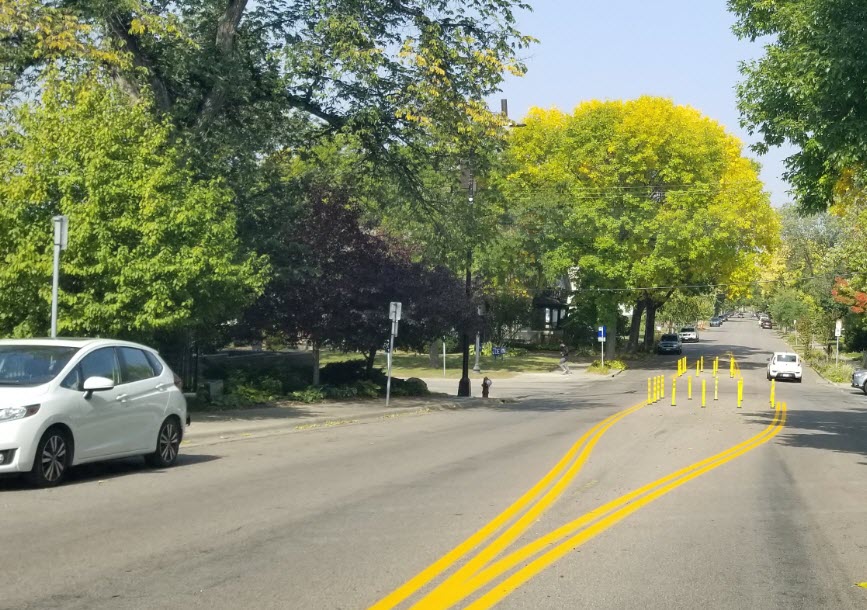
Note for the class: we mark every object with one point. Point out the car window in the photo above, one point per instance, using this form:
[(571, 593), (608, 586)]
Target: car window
[(156, 365), (135, 365), (101, 363), (669, 338), (787, 358), (29, 365)]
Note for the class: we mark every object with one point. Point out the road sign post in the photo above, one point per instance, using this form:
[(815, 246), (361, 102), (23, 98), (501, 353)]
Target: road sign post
[(394, 316), (61, 240), (838, 332), (601, 336)]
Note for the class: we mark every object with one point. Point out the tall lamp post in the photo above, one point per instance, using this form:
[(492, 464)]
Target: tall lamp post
[(61, 239), (468, 181)]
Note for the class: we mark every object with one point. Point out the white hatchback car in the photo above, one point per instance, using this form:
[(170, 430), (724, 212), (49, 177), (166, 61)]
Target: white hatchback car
[(65, 402), (785, 365)]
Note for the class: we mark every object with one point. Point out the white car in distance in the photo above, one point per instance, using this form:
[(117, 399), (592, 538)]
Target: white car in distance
[(688, 334), (785, 365), (65, 402)]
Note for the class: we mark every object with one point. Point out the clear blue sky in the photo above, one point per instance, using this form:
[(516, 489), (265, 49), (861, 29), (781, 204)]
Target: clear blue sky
[(621, 49)]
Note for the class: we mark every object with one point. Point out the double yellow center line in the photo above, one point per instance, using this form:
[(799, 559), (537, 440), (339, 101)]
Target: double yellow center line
[(481, 570)]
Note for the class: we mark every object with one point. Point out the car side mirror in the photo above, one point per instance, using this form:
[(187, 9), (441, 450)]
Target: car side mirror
[(96, 384)]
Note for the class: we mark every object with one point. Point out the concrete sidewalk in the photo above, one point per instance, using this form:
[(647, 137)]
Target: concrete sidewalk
[(209, 427)]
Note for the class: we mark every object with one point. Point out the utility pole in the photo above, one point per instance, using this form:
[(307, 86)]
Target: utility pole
[(468, 181), (477, 368), (61, 239)]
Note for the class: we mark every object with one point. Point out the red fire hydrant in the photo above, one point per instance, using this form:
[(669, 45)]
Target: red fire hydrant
[(486, 387)]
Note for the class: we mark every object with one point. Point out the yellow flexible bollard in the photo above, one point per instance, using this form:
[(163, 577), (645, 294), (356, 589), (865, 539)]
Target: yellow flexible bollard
[(732, 367), (702, 364), (697, 369), (716, 388), (662, 385), (649, 397), (715, 366), (740, 392), (773, 391), (703, 393), (689, 387), (674, 392)]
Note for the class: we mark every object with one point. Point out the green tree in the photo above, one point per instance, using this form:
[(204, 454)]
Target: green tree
[(808, 88), (152, 248), (631, 196)]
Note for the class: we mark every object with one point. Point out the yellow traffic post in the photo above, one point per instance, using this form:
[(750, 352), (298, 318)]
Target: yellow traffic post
[(674, 392), (773, 391), (740, 392), (649, 396), (732, 367), (689, 387), (716, 388), (703, 393), (697, 368), (702, 364), (715, 366), (662, 386)]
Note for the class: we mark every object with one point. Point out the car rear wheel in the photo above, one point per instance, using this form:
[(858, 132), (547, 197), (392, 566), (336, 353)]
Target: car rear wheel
[(168, 445), (53, 455), (864, 387)]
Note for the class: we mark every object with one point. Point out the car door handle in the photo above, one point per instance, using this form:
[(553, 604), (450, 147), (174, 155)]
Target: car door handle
[(122, 397), (161, 386)]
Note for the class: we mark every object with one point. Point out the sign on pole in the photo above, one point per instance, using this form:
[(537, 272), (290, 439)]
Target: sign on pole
[(393, 315), (601, 335), (838, 332)]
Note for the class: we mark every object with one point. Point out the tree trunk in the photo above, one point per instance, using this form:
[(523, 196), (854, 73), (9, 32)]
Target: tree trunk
[(635, 328), (610, 344), (650, 326), (316, 363), (369, 360)]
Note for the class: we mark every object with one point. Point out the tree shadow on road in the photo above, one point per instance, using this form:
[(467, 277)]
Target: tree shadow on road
[(842, 431)]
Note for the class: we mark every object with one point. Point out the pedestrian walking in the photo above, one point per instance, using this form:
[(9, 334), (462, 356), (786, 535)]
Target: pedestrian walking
[(564, 357)]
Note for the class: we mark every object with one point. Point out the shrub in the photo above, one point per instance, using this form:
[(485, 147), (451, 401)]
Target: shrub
[(309, 395), (348, 372), (340, 392), (838, 373), (368, 389), (610, 365), (409, 387)]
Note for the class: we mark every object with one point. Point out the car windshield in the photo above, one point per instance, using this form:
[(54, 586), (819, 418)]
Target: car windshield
[(787, 358), (687, 329), (669, 338), (31, 365)]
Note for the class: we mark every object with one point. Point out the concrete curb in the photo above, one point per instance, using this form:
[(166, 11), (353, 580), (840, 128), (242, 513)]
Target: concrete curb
[(226, 431)]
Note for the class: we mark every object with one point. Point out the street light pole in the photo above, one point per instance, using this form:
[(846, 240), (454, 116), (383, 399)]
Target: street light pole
[(61, 235), (477, 368), (464, 383)]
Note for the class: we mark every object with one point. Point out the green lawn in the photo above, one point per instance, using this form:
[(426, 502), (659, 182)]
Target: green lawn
[(418, 365)]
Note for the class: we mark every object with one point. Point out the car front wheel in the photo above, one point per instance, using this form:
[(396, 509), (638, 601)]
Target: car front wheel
[(53, 455), (168, 445), (864, 387)]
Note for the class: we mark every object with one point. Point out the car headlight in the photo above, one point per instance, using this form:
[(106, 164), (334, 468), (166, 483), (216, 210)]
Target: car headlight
[(11, 413)]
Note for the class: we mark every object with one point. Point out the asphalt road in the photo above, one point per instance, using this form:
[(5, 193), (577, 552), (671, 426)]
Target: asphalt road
[(341, 517)]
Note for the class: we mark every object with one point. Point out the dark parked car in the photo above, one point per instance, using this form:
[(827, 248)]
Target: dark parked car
[(766, 323), (669, 344), (859, 379), (715, 322)]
